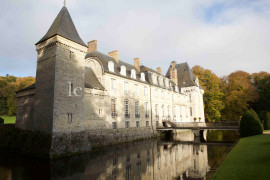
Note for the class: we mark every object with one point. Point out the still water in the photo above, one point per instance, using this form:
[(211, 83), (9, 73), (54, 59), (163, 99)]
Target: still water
[(178, 157)]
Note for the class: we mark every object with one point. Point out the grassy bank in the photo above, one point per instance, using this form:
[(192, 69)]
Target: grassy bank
[(250, 159), (9, 119)]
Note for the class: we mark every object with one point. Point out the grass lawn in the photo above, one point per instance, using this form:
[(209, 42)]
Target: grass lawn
[(9, 119), (249, 159), (266, 130)]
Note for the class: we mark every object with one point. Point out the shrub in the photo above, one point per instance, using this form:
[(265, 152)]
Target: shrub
[(256, 117), (249, 125), (1, 120), (267, 121)]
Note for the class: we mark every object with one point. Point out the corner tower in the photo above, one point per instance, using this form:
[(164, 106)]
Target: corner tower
[(60, 69)]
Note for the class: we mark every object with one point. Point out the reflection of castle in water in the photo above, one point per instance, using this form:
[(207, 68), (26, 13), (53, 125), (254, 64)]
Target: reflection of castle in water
[(149, 159)]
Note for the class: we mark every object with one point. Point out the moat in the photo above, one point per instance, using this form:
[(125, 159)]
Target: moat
[(174, 157)]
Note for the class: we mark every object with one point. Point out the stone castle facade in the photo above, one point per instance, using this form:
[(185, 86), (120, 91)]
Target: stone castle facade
[(84, 98)]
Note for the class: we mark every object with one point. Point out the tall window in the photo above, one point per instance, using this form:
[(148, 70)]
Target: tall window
[(162, 109), (156, 93), (189, 97), (135, 89), (137, 115), (156, 110), (162, 94), (190, 109), (146, 109), (126, 87), (113, 85), (168, 109), (113, 107), (145, 91), (126, 106)]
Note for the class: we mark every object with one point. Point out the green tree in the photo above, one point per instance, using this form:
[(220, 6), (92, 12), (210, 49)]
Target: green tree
[(261, 82), (212, 96)]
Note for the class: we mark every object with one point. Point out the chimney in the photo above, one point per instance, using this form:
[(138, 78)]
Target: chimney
[(92, 46), (114, 54), (173, 63), (137, 63), (159, 70), (173, 73)]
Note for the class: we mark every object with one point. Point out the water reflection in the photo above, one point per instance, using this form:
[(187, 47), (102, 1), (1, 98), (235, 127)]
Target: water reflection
[(182, 158)]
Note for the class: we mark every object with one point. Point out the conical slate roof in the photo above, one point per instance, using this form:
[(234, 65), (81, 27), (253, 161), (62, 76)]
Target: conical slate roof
[(63, 26)]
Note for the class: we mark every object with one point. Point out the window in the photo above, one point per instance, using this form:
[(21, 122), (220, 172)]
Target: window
[(146, 109), (137, 124), (126, 87), (162, 109), (190, 111), (154, 78), (123, 71), (162, 94), (137, 115), (189, 97), (156, 111), (174, 111), (113, 85), (135, 89), (100, 112), (145, 91), (126, 108), (168, 111), (114, 126), (142, 77), (147, 123), (69, 118), (133, 74), (156, 93), (71, 54), (127, 124), (113, 107), (111, 66)]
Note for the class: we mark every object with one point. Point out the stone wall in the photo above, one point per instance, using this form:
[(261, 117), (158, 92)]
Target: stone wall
[(78, 142)]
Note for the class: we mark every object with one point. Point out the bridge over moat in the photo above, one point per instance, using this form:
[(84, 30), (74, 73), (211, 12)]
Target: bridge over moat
[(198, 127)]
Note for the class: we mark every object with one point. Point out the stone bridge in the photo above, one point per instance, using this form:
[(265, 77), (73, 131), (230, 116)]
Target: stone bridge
[(198, 127)]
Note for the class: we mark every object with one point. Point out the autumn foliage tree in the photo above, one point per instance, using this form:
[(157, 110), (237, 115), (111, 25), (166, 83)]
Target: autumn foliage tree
[(239, 94), (213, 97), (8, 87)]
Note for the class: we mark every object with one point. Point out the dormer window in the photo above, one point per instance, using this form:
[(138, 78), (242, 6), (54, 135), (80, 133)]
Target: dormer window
[(160, 81), (123, 71), (167, 83), (111, 66), (154, 78), (133, 73), (142, 77)]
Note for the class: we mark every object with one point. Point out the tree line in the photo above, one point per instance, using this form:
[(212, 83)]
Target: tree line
[(225, 98), (9, 85)]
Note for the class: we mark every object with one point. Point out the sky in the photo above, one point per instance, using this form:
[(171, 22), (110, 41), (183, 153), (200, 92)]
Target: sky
[(221, 35)]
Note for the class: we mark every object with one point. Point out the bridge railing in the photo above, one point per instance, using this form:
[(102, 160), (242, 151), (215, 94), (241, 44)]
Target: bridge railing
[(200, 124)]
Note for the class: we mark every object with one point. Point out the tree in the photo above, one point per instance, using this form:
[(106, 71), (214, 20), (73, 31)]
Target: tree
[(267, 121), (212, 96), (239, 94), (261, 81), (9, 85)]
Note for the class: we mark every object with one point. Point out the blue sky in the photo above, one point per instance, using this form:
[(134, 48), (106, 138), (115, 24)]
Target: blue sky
[(221, 35)]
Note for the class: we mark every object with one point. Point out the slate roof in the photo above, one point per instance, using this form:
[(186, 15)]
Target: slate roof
[(28, 88), (91, 80), (63, 26)]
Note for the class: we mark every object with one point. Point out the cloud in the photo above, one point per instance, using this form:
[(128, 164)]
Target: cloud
[(221, 35)]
